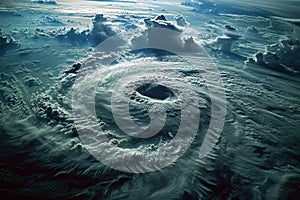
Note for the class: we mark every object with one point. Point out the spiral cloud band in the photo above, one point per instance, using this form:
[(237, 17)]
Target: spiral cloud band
[(131, 78)]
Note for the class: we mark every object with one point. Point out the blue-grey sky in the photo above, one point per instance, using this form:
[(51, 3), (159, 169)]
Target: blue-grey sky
[(284, 8)]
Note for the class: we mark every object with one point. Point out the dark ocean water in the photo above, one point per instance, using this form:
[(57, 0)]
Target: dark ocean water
[(62, 138)]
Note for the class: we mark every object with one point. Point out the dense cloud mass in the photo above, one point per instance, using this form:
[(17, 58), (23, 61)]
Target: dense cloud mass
[(176, 39), (51, 2), (281, 56), (51, 54), (226, 41), (7, 42), (101, 30)]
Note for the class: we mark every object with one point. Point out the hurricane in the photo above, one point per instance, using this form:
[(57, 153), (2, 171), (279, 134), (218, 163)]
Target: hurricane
[(195, 99)]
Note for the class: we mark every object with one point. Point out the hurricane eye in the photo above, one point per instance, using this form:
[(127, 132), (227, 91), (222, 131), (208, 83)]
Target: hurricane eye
[(155, 91)]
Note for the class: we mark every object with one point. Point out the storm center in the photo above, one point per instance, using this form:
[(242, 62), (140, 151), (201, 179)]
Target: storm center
[(155, 91)]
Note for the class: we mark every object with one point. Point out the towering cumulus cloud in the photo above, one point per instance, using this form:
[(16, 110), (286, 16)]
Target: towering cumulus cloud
[(101, 29), (177, 40)]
